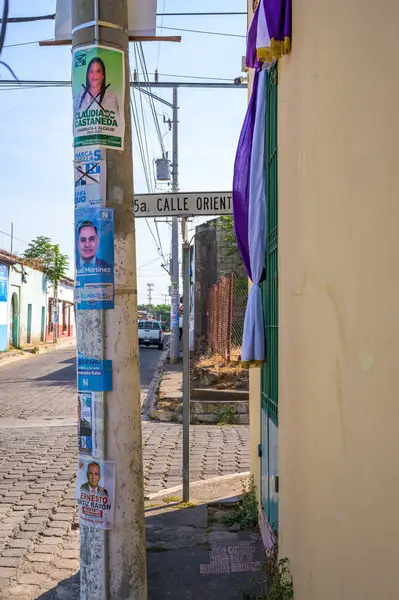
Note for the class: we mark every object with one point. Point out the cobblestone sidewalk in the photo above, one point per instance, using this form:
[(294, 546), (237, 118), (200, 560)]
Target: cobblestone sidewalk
[(39, 531), (39, 537)]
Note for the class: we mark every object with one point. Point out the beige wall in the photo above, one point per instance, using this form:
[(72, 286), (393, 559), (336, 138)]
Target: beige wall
[(339, 300)]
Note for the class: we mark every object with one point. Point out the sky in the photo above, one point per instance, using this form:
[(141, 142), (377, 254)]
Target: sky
[(36, 159)]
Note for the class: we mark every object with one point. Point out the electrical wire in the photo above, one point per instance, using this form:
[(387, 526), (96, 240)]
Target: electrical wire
[(26, 43), (235, 35), (3, 30), (159, 43), (29, 19), (143, 150), (4, 24), (13, 237), (149, 263), (143, 64)]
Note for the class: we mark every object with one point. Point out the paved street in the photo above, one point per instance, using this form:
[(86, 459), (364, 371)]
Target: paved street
[(39, 535)]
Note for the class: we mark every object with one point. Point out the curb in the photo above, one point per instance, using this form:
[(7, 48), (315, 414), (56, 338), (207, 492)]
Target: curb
[(149, 401), (219, 479), (25, 354)]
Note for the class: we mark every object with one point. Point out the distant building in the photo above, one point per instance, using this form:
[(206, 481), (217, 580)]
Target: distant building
[(27, 304)]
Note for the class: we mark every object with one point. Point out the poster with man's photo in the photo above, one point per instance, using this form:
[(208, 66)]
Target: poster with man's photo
[(94, 239), (98, 80), (85, 423), (95, 492)]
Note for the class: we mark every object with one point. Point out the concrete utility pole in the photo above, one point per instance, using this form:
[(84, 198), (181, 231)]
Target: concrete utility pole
[(174, 325), (113, 564)]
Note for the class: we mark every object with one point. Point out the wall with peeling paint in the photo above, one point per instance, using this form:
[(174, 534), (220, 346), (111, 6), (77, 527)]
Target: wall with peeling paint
[(339, 299)]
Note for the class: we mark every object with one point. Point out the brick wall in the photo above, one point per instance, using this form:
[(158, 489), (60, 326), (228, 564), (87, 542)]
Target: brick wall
[(213, 258)]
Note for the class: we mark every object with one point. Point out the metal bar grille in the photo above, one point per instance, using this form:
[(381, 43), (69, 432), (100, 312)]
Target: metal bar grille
[(270, 287)]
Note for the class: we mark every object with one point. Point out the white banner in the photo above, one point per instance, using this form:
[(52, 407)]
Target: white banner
[(141, 18)]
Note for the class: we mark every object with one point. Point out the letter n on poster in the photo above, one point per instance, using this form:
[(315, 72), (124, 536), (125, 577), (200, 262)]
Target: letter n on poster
[(95, 492), (98, 80), (94, 236)]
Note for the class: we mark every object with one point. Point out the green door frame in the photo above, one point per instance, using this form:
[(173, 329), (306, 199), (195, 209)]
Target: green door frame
[(43, 325), (269, 392), (29, 325), (15, 320)]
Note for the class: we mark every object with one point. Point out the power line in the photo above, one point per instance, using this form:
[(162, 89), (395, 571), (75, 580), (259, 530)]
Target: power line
[(162, 14), (13, 237), (149, 263), (235, 35), (159, 43), (3, 24), (151, 100), (219, 33), (28, 19), (199, 14), (26, 43)]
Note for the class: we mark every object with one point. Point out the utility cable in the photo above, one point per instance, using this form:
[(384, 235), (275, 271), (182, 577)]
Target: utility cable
[(3, 30), (142, 60), (235, 35), (28, 19), (159, 43)]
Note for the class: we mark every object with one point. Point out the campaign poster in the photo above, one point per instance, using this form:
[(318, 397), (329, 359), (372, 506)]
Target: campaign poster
[(98, 80), (85, 423), (95, 492), (90, 177), (94, 241), (94, 374)]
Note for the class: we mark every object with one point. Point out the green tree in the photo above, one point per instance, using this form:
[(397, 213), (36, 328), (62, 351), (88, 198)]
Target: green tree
[(226, 225), (42, 253)]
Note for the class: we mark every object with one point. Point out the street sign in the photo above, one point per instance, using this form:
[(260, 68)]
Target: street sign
[(183, 204)]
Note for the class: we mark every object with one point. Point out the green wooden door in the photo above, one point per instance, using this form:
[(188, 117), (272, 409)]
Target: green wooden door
[(43, 324), (29, 325), (15, 320), (270, 488)]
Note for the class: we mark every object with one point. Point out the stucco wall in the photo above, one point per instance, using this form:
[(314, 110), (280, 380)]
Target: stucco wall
[(4, 291), (32, 292), (339, 298), (3, 326)]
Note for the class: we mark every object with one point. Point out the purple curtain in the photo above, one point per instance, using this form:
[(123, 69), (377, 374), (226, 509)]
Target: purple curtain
[(242, 167), (278, 18), (251, 60)]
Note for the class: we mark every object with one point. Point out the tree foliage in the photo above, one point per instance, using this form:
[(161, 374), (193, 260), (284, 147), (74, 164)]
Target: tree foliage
[(226, 225), (47, 256), (154, 307)]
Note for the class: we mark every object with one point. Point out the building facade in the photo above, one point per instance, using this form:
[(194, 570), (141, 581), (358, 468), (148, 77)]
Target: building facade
[(26, 305), (324, 413)]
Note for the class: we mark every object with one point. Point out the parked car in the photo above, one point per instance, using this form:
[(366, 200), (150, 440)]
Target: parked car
[(151, 333)]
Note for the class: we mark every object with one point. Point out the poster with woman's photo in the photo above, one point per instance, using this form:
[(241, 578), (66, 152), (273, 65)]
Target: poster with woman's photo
[(85, 423), (98, 80), (95, 492)]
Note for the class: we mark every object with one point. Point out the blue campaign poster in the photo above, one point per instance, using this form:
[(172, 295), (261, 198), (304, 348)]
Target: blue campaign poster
[(94, 241), (3, 283), (94, 374)]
